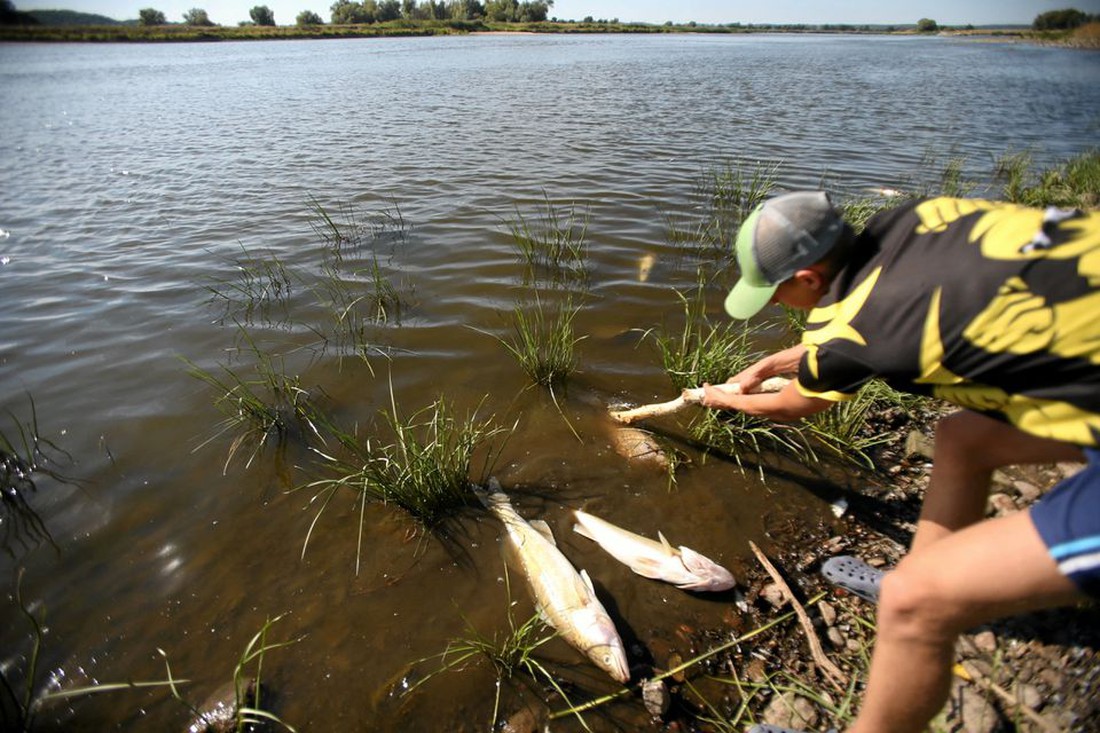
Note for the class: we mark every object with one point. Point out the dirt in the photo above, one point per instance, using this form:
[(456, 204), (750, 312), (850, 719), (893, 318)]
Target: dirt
[(1036, 672)]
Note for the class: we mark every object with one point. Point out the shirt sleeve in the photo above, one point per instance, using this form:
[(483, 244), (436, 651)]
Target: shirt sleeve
[(828, 372)]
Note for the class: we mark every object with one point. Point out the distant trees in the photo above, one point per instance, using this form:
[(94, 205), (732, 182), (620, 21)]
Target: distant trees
[(151, 16), (927, 25), (1060, 20), (379, 11), (262, 15), (197, 16), (308, 17)]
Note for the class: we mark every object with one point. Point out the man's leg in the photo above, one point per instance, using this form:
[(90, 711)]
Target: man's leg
[(996, 568), (969, 447)]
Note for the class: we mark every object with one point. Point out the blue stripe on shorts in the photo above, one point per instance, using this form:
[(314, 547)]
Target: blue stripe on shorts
[(1068, 520)]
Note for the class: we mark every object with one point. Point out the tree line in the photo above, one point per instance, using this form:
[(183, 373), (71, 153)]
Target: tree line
[(346, 12)]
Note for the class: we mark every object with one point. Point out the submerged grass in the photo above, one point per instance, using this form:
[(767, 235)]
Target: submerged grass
[(425, 468), (266, 406), (512, 655), (544, 341), (726, 195), (259, 292), (554, 242)]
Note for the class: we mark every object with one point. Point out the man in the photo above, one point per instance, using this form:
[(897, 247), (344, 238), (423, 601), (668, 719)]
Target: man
[(993, 307)]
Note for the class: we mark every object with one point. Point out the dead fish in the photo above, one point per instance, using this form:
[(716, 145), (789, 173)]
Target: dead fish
[(645, 266), (639, 446), (565, 598), (683, 567)]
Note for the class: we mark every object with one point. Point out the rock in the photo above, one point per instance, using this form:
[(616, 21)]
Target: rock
[(835, 637), (1002, 504), (967, 711), (1028, 491), (985, 641), (773, 594), (656, 697), (789, 710), (919, 444), (1031, 696), (828, 613), (527, 720)]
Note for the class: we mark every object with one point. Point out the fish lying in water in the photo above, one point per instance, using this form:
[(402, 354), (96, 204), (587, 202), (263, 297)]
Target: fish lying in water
[(683, 567), (564, 597)]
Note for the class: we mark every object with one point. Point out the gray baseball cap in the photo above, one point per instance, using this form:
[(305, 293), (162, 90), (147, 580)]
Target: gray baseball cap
[(780, 237)]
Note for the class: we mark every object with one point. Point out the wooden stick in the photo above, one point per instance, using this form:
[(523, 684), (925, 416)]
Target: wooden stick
[(690, 396), (831, 670)]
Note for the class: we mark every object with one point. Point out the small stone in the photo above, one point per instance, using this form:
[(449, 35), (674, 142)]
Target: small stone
[(967, 711), (773, 594), (986, 641), (656, 697), (756, 671), (1028, 491), (828, 613), (919, 444), (1002, 504), (1031, 696), (674, 661), (789, 710), (835, 637)]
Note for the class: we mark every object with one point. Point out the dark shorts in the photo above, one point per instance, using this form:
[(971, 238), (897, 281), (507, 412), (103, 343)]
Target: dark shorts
[(1068, 520)]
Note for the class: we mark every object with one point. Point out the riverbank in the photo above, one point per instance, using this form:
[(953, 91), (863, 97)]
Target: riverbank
[(124, 33)]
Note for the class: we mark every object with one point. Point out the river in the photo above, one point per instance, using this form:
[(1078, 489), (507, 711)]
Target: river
[(140, 184)]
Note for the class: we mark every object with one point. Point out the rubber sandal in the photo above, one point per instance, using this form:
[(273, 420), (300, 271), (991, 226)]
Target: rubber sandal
[(768, 728), (854, 576)]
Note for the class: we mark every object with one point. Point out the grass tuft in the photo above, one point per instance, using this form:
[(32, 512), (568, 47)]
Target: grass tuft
[(554, 242)]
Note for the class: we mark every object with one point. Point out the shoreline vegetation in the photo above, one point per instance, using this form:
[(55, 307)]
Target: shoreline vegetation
[(1086, 36)]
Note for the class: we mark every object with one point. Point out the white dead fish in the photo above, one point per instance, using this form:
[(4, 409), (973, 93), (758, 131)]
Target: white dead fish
[(564, 597), (683, 567), (645, 266)]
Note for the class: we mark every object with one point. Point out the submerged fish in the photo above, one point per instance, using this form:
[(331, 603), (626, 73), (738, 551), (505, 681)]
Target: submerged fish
[(564, 597), (645, 266), (683, 567)]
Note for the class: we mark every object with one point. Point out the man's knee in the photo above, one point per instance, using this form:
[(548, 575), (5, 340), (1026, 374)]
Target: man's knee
[(914, 606)]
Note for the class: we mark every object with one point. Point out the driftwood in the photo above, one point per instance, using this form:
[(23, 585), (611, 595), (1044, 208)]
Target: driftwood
[(831, 671), (691, 396)]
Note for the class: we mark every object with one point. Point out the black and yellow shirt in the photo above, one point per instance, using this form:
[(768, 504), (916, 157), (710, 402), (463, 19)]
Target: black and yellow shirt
[(994, 307)]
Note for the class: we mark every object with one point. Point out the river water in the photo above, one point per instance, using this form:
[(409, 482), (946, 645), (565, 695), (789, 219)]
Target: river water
[(138, 180)]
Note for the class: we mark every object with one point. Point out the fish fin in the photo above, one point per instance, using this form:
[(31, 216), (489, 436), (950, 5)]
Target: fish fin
[(587, 581), (544, 529), (583, 531), (666, 544)]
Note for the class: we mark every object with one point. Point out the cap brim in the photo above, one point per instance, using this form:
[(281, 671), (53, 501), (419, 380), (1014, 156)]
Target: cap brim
[(746, 299)]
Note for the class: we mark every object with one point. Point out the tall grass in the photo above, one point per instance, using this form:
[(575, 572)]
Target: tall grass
[(725, 195), (1074, 183), (24, 453), (424, 467), (544, 341)]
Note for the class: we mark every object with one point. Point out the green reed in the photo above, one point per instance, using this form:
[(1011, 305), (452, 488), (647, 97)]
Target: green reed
[(512, 655), (423, 465), (726, 195), (260, 290), (544, 341), (553, 241), (264, 406), (1073, 183)]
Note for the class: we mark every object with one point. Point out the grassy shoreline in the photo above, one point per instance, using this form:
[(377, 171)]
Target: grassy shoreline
[(403, 28)]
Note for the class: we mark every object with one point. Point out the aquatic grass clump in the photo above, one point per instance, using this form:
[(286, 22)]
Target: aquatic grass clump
[(554, 241), (268, 405), (259, 291), (726, 195), (1073, 184), (544, 340), (512, 655), (23, 454), (424, 467)]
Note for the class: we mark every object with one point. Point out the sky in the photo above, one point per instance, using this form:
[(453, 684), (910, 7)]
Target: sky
[(857, 12)]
